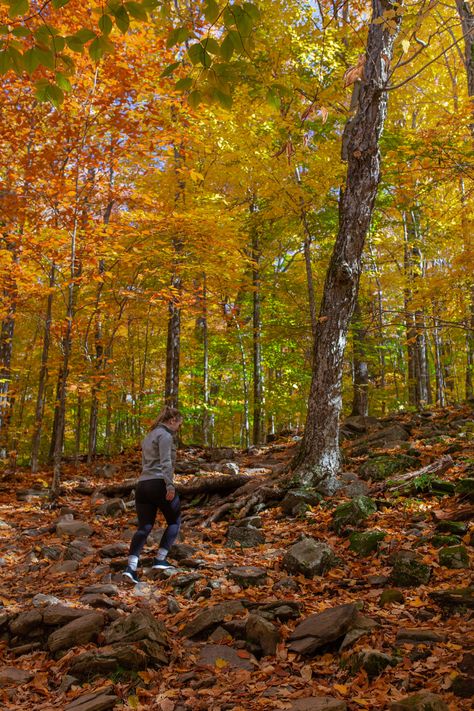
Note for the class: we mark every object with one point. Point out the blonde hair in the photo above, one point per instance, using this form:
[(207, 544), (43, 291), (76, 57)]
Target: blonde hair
[(168, 413)]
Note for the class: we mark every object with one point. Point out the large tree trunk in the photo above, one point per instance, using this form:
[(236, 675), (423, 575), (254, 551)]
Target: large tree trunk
[(7, 397), (258, 392), (173, 345), (360, 402), (319, 459)]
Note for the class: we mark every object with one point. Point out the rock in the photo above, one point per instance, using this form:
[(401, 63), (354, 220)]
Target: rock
[(386, 438), (321, 628), (112, 507), (423, 701), (262, 632), (66, 683), (139, 625), (465, 488), (365, 543), (353, 513), (211, 617), (172, 605), (107, 589), (409, 570), (454, 597), (219, 635), (280, 610), (98, 600), (297, 501), (440, 540), (56, 615), (76, 529), (246, 537), (463, 686), (359, 423), (97, 701), (457, 528), (106, 661), (26, 622), (352, 486), (371, 661), (285, 584), (67, 566), (180, 551), (318, 703), (230, 468), (219, 656), (389, 596), (250, 522), (77, 632), (12, 675), (455, 557), (4, 525), (380, 467), (248, 576), (78, 550), (309, 558), (51, 552), (41, 600), (360, 626), (108, 471), (217, 454), (413, 635), (114, 550)]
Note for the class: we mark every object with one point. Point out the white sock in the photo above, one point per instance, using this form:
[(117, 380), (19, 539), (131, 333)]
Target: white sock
[(162, 553), (133, 561)]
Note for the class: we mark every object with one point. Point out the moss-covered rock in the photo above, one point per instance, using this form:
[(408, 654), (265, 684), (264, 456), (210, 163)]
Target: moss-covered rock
[(353, 513), (422, 701), (465, 487), (409, 570), (440, 540), (298, 501), (391, 595), (454, 557), (366, 542), (380, 467), (457, 528), (372, 661)]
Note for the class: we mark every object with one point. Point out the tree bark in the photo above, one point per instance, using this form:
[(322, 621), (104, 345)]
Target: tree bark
[(258, 388), (319, 458), (7, 397), (360, 402)]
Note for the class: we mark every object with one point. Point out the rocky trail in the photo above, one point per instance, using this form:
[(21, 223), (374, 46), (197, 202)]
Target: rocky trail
[(281, 599)]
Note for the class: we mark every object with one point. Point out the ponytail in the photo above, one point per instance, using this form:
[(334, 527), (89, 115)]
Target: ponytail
[(168, 413)]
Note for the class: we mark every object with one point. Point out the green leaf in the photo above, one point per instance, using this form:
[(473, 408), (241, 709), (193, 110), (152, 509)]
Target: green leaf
[(55, 95), (75, 44), (59, 3), (229, 19), (18, 7), (227, 48), (58, 44), (168, 71), (122, 19), (21, 32), (243, 21), (105, 24), (31, 60), (273, 99), (184, 84), (150, 4), (211, 45), (196, 53), (4, 30), (40, 89), (211, 11), (194, 99), (237, 41), (178, 35), (252, 10), (99, 47), (46, 57), (5, 61), (225, 100), (17, 60), (137, 11), (84, 35), (63, 82), (66, 61)]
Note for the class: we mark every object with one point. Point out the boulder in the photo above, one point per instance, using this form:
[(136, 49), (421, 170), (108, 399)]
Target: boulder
[(245, 536), (262, 632), (26, 623), (74, 529), (77, 632), (359, 423), (455, 557), (386, 438), (422, 701), (112, 507), (211, 617), (321, 628), (440, 540), (352, 486), (221, 657), (309, 557), (105, 661), (366, 542), (41, 600), (78, 550), (457, 528), (180, 551), (409, 570), (139, 625), (297, 501), (353, 513), (371, 661), (248, 576), (114, 550), (382, 466), (12, 675), (58, 615)]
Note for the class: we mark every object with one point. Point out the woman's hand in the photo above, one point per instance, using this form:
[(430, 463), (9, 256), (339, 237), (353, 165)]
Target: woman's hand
[(170, 494)]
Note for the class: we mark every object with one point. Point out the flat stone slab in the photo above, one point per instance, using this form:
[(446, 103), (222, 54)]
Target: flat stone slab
[(93, 702), (114, 550), (318, 703), (12, 675), (212, 616), (309, 558), (107, 589), (220, 656), (321, 628), (77, 529), (137, 626), (248, 575), (62, 614), (423, 701), (423, 636), (77, 632)]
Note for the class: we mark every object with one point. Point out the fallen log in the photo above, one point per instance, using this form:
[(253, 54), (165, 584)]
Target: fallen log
[(464, 513), (222, 484), (439, 467)]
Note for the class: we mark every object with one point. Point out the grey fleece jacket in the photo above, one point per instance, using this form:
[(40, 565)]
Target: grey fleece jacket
[(159, 456)]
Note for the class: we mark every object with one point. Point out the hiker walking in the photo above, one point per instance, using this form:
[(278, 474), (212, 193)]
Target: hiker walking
[(155, 491)]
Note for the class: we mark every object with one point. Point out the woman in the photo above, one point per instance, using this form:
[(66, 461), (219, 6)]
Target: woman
[(155, 491)]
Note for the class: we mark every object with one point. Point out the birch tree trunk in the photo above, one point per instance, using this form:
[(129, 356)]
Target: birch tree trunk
[(360, 402), (319, 457)]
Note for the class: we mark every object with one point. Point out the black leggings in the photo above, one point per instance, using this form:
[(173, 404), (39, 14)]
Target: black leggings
[(150, 496)]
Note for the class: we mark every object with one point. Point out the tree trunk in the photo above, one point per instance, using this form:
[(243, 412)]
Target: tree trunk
[(258, 391), (319, 459), (7, 397), (439, 375), (43, 375), (173, 350), (360, 403)]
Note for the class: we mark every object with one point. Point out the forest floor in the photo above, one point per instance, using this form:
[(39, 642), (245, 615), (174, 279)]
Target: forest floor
[(239, 656)]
